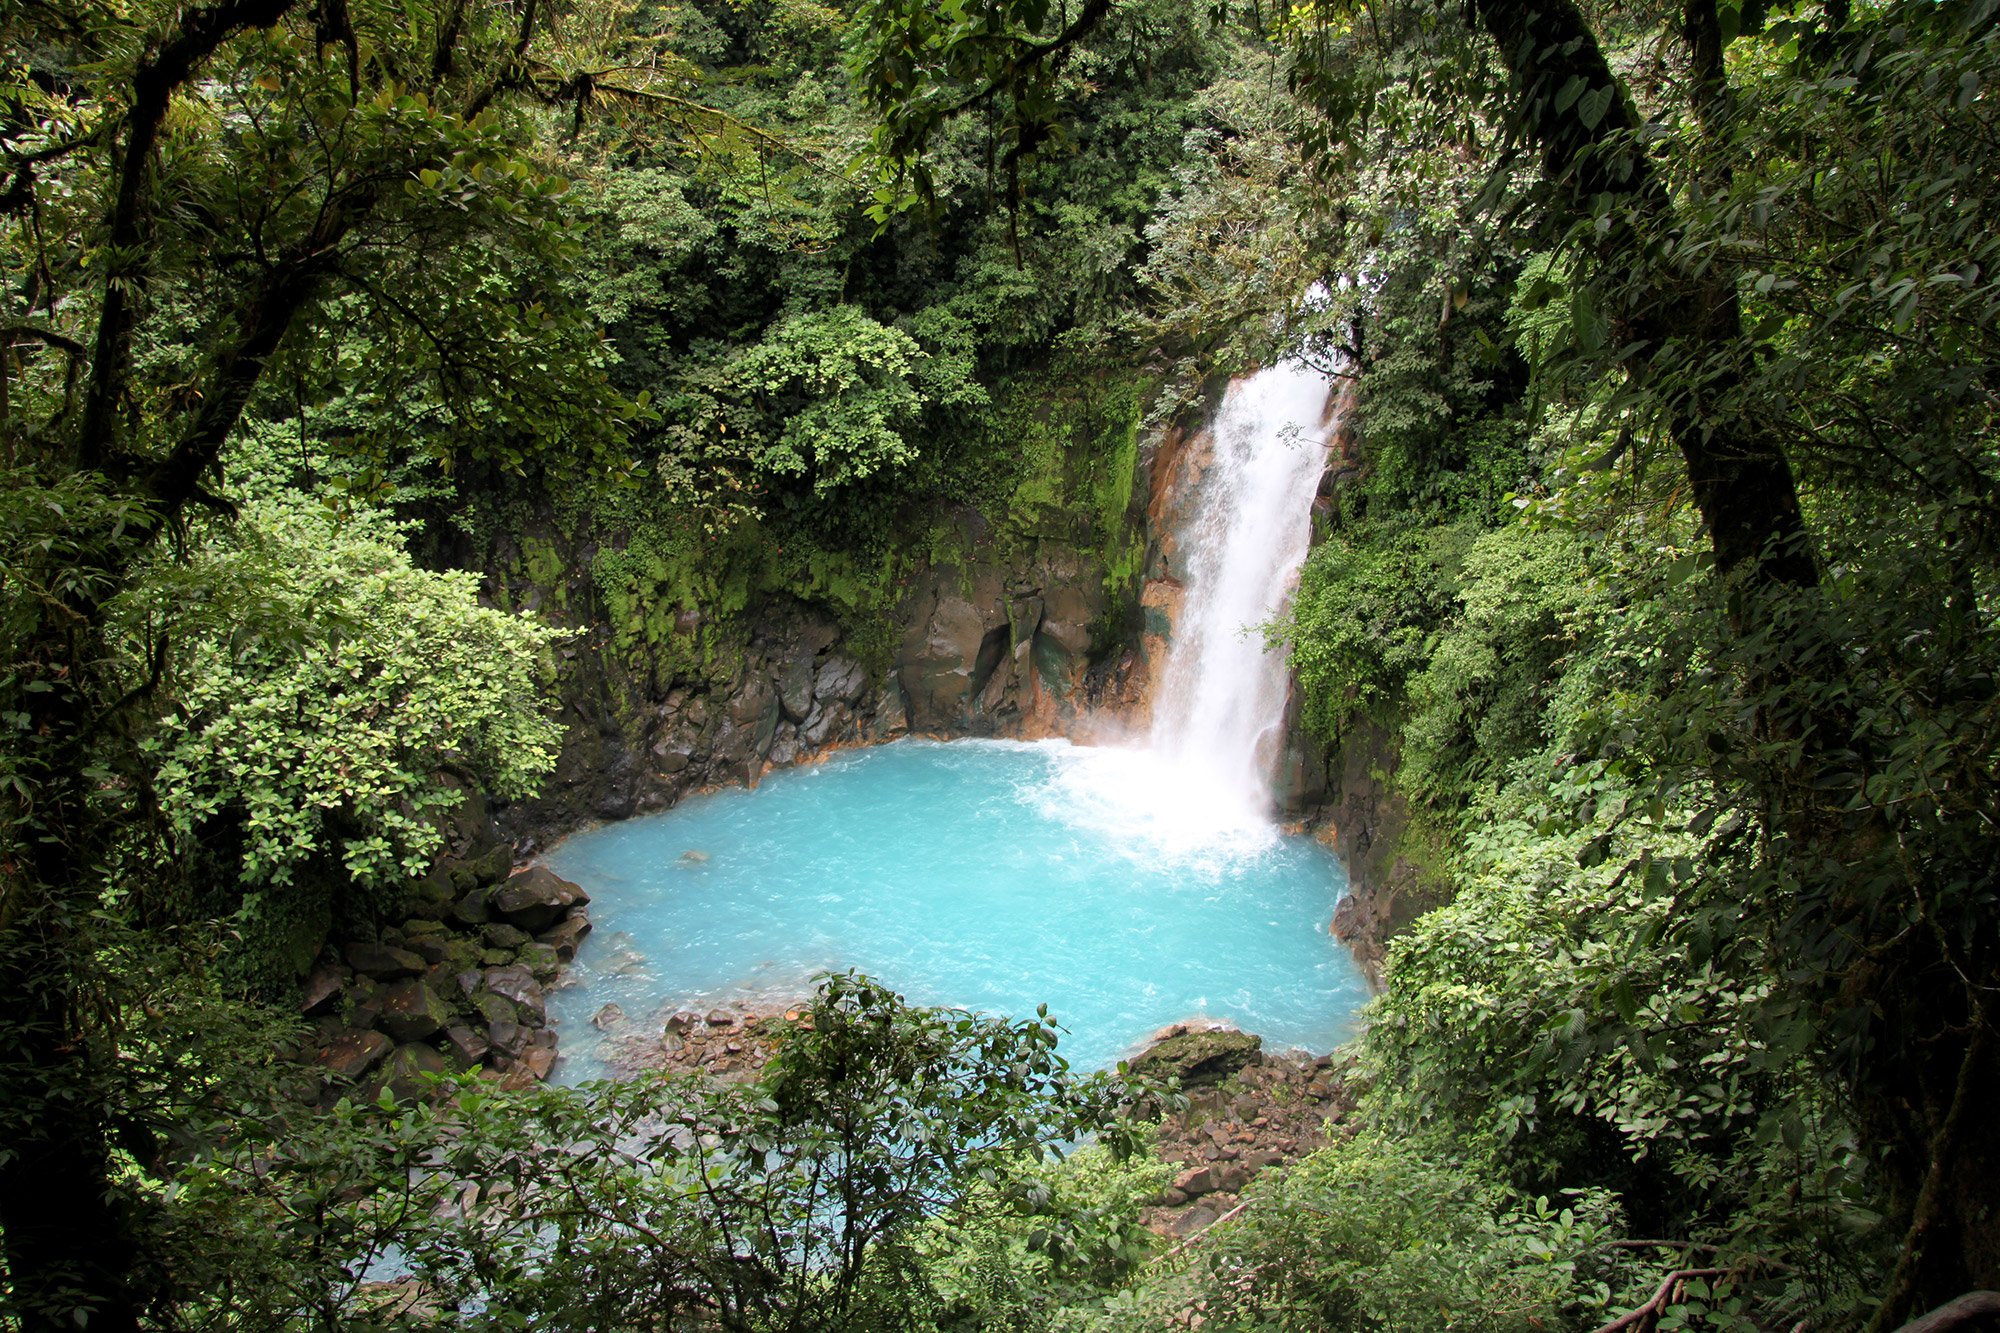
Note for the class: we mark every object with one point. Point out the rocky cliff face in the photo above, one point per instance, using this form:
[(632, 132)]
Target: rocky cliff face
[(1014, 628)]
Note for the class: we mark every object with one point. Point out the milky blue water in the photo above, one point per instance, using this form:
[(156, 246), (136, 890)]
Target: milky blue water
[(989, 875)]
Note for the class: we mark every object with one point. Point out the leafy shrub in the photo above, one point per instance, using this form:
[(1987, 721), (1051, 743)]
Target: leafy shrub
[(327, 686), (1373, 1234)]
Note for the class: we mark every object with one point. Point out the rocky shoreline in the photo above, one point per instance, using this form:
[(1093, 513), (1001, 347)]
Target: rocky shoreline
[(459, 986), (1248, 1110)]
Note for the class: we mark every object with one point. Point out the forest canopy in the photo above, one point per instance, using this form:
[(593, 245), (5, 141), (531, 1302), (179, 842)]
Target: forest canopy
[(1664, 583)]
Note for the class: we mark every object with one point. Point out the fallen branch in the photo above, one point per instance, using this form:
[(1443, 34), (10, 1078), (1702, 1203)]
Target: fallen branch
[(1657, 1306), (1978, 1308)]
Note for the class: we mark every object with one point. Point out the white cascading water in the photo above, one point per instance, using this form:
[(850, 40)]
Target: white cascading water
[(1222, 699), (1203, 787)]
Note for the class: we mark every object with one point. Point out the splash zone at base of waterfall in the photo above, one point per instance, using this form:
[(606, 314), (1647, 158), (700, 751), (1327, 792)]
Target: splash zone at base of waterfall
[(1125, 887)]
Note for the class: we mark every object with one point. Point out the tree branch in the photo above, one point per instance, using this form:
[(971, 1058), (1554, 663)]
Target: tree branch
[(153, 84)]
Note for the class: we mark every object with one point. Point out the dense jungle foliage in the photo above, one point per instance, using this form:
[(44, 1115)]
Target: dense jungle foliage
[(1668, 569)]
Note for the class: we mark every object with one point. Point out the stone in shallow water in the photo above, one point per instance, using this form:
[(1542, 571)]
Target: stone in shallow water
[(536, 898), (1199, 1059), (691, 854), (566, 934)]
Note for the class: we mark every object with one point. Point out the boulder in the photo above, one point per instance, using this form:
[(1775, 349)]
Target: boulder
[(470, 910), (500, 935), (785, 745), (542, 960), (492, 866), (430, 896), (890, 719), (840, 680), (720, 1018), (350, 1054), (384, 962), (539, 1060), (1199, 1058), (1198, 1218), (433, 949), (361, 997), (536, 899), (460, 956), (1197, 1180), (824, 723), (756, 701), (411, 1011), (567, 934), (518, 984), (404, 1074), (497, 1008), (795, 689), (467, 1046), (320, 991), (509, 1039), (609, 1017)]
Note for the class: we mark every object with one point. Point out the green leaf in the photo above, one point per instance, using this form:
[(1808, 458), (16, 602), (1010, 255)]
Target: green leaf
[(1590, 108)]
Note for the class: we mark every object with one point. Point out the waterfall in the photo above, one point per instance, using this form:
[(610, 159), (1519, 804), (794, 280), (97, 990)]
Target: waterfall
[(1219, 711), (1199, 794)]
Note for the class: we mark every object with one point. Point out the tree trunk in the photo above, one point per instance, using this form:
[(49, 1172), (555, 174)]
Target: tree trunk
[(1929, 1066), (1741, 480)]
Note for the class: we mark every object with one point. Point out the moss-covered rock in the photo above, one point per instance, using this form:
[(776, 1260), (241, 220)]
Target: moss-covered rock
[(1201, 1057)]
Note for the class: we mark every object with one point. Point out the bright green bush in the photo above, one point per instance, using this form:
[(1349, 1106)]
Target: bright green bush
[(325, 687)]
